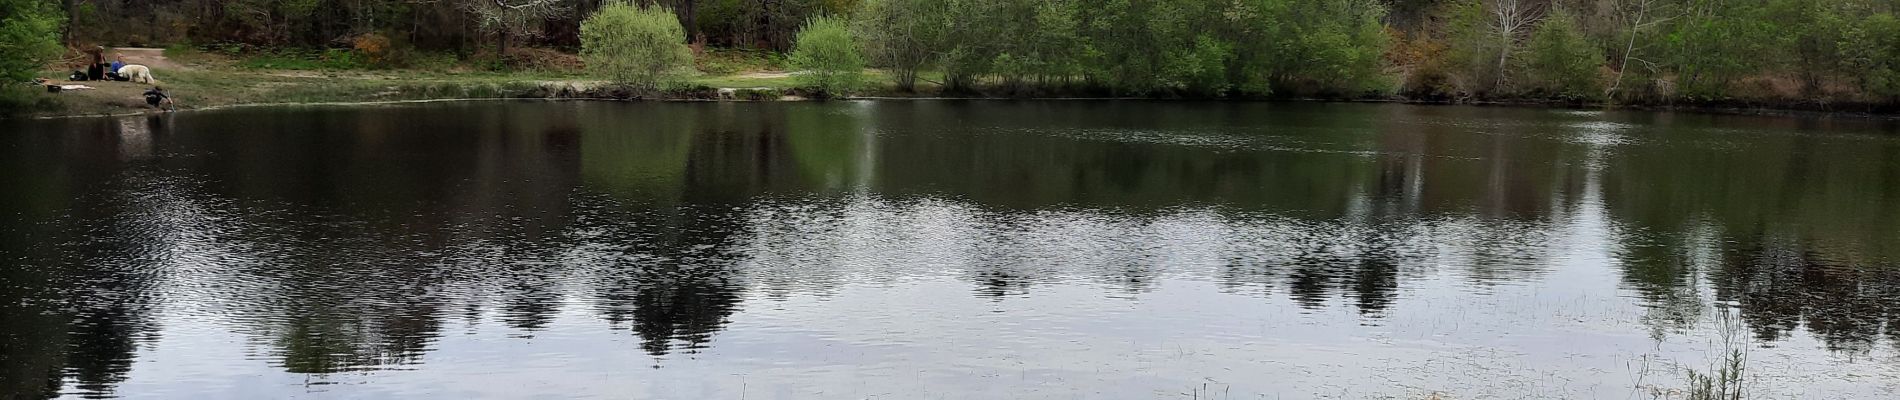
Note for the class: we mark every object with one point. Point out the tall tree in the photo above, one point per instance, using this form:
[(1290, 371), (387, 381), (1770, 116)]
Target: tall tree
[(508, 20), (902, 35), (1511, 20), (1637, 17)]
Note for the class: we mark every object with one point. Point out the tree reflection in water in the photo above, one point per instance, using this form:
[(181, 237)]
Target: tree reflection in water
[(345, 240)]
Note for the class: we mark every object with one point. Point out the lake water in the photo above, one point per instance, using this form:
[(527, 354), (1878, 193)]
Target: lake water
[(945, 250)]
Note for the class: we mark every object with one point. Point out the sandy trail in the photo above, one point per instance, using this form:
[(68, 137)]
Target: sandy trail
[(154, 58), (764, 75)]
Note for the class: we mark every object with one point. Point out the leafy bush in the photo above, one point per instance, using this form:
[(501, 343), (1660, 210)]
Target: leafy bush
[(902, 35), (1201, 69), (340, 59), (829, 56), (29, 37), (1474, 49), (1560, 61), (642, 47), (1327, 47), (375, 48), (1426, 77), (1874, 48)]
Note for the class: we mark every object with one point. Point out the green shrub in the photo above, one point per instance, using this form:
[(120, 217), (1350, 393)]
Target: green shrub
[(29, 37), (1874, 49), (1201, 69), (715, 61), (642, 47), (1472, 58), (901, 35), (828, 56), (340, 59), (1561, 62)]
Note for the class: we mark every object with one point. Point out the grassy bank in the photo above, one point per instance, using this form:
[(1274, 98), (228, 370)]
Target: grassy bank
[(201, 80)]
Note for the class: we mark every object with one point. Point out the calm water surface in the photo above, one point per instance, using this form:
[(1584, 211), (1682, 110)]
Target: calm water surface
[(944, 250)]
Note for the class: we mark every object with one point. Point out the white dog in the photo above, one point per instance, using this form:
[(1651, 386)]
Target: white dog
[(138, 73)]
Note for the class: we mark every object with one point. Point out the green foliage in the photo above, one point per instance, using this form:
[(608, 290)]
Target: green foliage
[(1817, 51), (901, 35), (1201, 68), (828, 56), (638, 46), (1813, 31), (1872, 47), (1197, 47), (1726, 382), (732, 61), (304, 60), (29, 38), (1711, 50), (1560, 61), (1474, 47), (1331, 46)]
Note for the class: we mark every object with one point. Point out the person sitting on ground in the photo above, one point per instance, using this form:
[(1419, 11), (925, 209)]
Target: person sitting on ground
[(113, 74), (159, 100)]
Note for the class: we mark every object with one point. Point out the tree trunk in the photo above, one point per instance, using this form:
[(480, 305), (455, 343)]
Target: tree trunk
[(689, 16), (72, 20), (1629, 50), (501, 45), (907, 79), (1504, 57)]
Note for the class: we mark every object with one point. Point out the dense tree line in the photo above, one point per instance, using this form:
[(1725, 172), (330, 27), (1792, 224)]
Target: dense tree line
[(1618, 50), (1629, 50), (1652, 50), (1134, 46), (427, 24)]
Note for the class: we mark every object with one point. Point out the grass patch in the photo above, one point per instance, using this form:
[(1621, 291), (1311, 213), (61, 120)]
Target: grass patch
[(204, 88), (734, 61), (875, 81), (22, 99), (304, 60), (742, 81)]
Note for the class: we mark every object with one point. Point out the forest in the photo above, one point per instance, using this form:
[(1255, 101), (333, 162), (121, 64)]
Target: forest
[(1633, 51)]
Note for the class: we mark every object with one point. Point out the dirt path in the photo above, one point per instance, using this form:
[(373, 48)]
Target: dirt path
[(154, 58), (764, 75)]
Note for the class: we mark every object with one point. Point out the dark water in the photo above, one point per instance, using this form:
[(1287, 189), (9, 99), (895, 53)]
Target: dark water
[(934, 250)]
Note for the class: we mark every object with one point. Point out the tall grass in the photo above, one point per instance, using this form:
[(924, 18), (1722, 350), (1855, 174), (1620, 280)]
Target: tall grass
[(1728, 378)]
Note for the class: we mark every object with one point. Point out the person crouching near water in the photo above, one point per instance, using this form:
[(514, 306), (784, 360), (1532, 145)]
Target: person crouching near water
[(159, 100)]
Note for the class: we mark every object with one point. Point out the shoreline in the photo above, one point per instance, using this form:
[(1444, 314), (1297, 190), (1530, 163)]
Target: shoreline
[(545, 90)]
